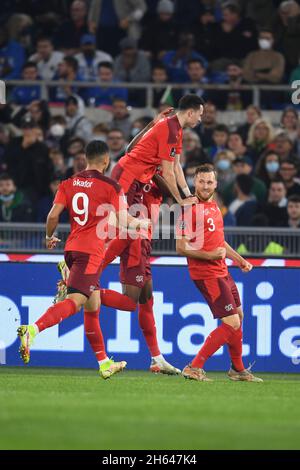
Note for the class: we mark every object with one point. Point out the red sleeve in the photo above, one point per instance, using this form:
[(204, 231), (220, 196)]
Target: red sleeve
[(167, 144), (61, 197), (179, 145)]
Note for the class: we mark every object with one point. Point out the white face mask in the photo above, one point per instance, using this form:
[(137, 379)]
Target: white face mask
[(57, 130), (265, 44)]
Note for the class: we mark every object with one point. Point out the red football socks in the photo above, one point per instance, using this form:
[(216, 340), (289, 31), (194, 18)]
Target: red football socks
[(56, 314), (111, 298), (213, 342), (94, 334), (114, 249), (147, 325), (235, 346)]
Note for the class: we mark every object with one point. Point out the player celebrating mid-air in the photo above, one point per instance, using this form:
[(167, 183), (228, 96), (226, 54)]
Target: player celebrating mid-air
[(201, 240), (88, 196)]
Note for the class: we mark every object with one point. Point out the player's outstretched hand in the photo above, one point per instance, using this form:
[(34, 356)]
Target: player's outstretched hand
[(52, 242), (245, 266), (188, 201), (218, 253), (163, 114)]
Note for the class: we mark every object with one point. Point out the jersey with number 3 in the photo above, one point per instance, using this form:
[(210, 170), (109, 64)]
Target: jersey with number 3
[(89, 196), (203, 225)]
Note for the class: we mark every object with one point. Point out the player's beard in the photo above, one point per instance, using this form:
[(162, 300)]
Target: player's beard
[(205, 197)]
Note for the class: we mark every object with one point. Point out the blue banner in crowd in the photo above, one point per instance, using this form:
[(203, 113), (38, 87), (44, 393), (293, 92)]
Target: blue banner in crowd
[(271, 299)]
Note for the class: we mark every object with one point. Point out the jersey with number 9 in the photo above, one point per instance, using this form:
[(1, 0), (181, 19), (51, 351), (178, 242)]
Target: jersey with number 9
[(89, 198)]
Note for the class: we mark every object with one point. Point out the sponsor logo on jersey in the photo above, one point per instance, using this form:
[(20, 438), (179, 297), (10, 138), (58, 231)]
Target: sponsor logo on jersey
[(82, 184), (173, 152), (228, 307), (92, 288), (139, 278)]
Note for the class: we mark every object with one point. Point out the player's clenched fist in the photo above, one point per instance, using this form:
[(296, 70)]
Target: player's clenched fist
[(51, 242), (245, 266)]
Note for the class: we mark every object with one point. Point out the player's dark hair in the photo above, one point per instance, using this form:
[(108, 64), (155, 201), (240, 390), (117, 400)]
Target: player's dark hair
[(206, 168), (245, 183), (96, 149), (294, 198), (190, 101)]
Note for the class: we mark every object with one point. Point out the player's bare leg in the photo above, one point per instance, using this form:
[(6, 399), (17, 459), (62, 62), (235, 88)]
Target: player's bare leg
[(237, 371), (107, 367), (147, 325)]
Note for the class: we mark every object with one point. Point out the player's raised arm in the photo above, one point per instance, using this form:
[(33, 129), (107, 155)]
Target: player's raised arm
[(149, 126), (51, 224), (234, 255)]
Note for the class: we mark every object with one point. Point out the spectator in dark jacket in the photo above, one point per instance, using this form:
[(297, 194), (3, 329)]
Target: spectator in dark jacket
[(243, 207), (28, 161), (25, 94), (68, 35), (14, 207), (45, 204), (275, 208)]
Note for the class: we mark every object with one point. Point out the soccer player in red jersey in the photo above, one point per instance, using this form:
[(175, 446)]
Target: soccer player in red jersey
[(89, 197), (201, 239)]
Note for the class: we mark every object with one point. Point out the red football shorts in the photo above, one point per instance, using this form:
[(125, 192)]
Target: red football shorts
[(85, 271), (221, 294)]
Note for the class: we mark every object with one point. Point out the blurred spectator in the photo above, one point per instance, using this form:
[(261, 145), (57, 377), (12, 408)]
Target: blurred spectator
[(234, 99), (235, 36), (204, 28), (283, 146), (264, 65), (25, 94), (189, 172), (20, 28), (117, 146), (4, 141), (260, 11), (38, 110), (46, 58), (209, 122), (260, 136), (100, 132), (89, 58), (267, 168), (196, 77), (297, 144), (120, 117), (160, 34), (288, 172), (77, 124), (293, 209), (244, 166), (46, 202), (176, 60), (275, 208), (68, 35), (113, 19), (192, 149), (295, 73), (223, 162), (132, 65), (104, 96), (75, 145), (228, 218), (243, 207), (290, 121), (12, 56), (79, 164), (56, 131), (236, 144), (14, 207), (139, 124), (252, 113), (67, 72), (28, 160), (220, 138), (162, 94), (58, 162), (286, 27)]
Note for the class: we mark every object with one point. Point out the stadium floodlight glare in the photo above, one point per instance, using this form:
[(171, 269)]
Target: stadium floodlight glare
[(2, 92)]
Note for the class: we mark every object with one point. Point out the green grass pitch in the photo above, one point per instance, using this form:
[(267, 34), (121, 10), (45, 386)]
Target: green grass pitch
[(75, 409)]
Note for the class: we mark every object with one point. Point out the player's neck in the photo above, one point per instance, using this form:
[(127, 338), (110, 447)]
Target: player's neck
[(181, 119), (98, 168)]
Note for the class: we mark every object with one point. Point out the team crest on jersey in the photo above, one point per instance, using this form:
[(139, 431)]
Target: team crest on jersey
[(92, 288), (206, 212), (182, 225), (139, 278), (173, 152), (228, 307)]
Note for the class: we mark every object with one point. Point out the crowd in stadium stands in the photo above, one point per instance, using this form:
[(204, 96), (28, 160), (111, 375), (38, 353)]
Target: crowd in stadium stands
[(192, 42)]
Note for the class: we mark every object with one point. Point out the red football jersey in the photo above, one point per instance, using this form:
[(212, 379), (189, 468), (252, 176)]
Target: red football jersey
[(87, 196), (152, 199), (162, 142), (203, 225)]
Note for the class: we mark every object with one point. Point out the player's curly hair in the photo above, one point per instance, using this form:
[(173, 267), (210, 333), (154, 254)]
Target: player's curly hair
[(206, 168)]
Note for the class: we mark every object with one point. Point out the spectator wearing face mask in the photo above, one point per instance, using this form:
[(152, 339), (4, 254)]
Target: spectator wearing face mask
[(223, 163), (267, 168), (14, 207)]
